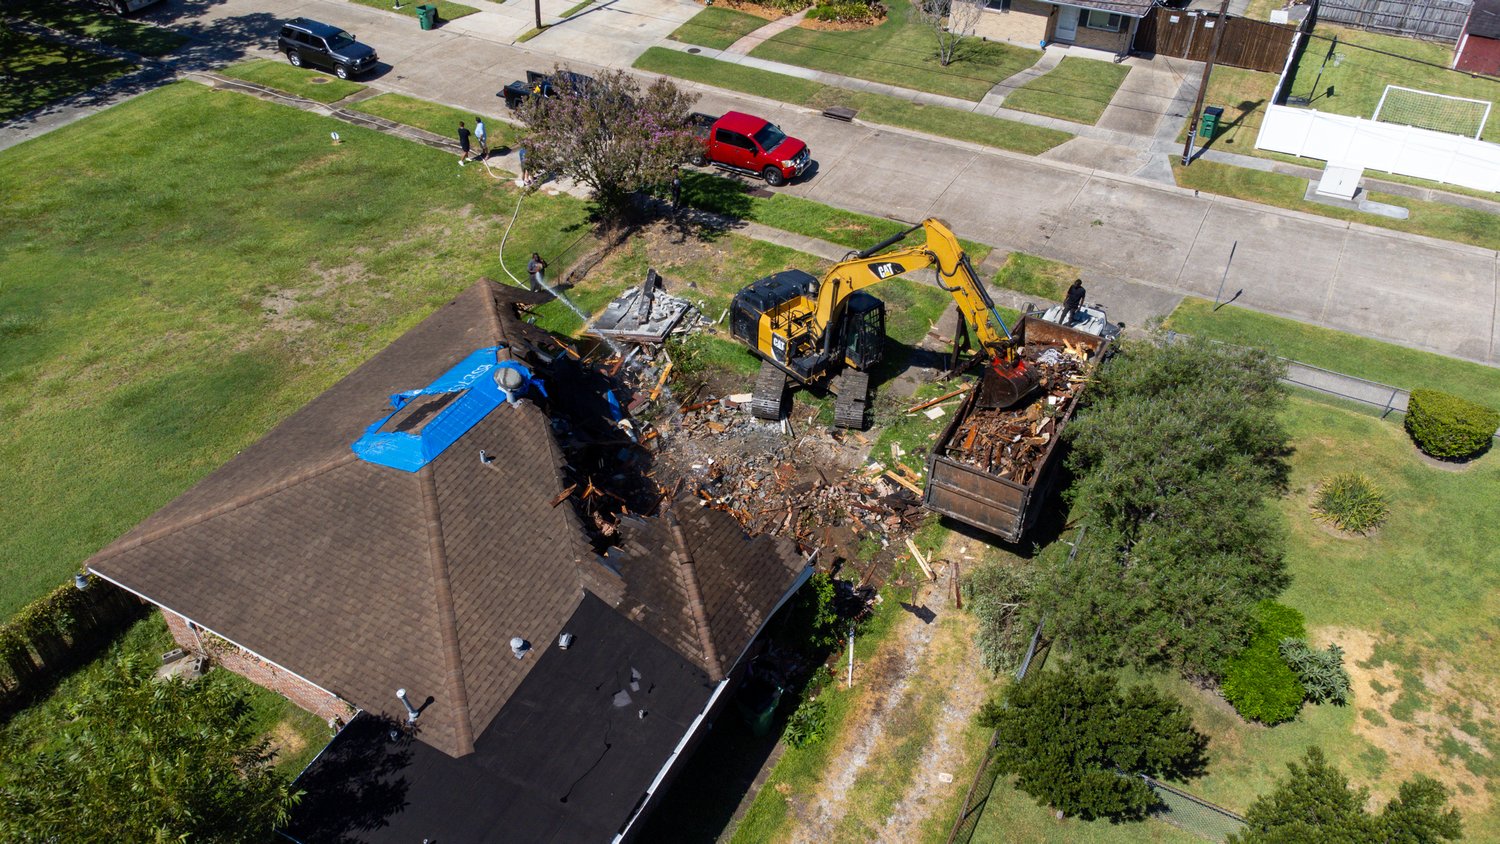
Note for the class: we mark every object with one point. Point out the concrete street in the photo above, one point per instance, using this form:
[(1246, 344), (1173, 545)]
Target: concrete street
[(1124, 232)]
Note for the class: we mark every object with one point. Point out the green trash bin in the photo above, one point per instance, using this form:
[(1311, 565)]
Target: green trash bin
[(427, 15), (1210, 122)]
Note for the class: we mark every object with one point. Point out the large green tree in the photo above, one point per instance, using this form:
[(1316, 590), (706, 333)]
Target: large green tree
[(1176, 458), (1316, 805), (140, 760), (1077, 743)]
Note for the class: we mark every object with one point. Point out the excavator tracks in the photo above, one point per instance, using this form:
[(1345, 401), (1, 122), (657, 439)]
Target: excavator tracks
[(853, 391), (769, 398)]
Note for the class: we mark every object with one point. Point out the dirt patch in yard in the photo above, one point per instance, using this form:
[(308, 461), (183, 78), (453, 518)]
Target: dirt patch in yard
[(1418, 711), (874, 766)]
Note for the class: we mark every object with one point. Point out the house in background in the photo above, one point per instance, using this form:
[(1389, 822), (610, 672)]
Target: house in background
[(410, 529), (1095, 24), (1478, 49)]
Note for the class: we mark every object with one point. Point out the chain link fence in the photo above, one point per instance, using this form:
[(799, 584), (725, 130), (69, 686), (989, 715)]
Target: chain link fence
[(1193, 814)]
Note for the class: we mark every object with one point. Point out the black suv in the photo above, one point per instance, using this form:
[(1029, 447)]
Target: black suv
[(307, 42)]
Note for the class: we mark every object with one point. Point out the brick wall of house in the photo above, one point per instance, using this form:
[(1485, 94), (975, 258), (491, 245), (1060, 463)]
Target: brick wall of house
[(1103, 39), (257, 670)]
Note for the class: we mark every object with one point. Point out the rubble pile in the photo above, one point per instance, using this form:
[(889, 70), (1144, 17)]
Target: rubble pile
[(1010, 443), (806, 487), (638, 436)]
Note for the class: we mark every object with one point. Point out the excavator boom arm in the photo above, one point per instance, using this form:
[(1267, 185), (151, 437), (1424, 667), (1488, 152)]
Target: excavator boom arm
[(943, 252)]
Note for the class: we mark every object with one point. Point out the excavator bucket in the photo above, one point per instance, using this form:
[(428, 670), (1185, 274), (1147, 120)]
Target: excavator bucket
[(1006, 384)]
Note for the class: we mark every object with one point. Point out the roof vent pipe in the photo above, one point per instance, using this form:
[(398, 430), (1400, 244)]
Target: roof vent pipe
[(565, 641), (510, 381), (411, 711)]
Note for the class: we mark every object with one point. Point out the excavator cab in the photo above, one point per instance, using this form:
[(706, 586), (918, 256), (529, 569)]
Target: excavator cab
[(863, 331)]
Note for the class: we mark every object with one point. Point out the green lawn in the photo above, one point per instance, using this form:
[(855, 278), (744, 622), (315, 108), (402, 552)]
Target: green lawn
[(1043, 278), (1077, 89), (1348, 353), (310, 84), (93, 21), (447, 11), (151, 330), (1405, 604), (732, 198), (875, 108), (1433, 219), (1359, 76), (438, 119), (40, 71), (900, 51), (717, 28), (1244, 95)]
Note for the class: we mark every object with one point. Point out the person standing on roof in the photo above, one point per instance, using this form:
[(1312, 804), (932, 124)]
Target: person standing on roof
[(463, 143), (1073, 301)]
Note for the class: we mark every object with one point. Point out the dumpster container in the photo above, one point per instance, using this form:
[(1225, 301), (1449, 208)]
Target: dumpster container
[(427, 15), (1210, 122)]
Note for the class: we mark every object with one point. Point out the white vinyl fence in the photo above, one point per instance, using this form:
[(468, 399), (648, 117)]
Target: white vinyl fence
[(1356, 142)]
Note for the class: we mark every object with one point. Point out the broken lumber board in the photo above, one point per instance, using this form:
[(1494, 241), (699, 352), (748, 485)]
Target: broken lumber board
[(940, 399), (917, 555), (904, 482), (660, 382)]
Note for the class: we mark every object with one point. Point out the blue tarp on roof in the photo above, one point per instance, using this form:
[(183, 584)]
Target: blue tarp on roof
[(473, 379)]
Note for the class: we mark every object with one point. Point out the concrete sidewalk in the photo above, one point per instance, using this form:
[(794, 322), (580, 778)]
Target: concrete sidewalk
[(1406, 289)]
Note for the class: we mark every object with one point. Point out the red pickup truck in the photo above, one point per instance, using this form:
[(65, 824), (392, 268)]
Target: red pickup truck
[(749, 144)]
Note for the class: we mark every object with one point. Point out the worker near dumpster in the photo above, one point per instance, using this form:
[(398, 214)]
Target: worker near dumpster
[(536, 268), (1073, 301)]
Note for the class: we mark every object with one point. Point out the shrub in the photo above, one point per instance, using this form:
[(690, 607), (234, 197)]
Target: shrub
[(1447, 426), (1258, 683), (848, 11), (996, 594), (1350, 502), (1321, 673), (1068, 737), (807, 724), (812, 622)]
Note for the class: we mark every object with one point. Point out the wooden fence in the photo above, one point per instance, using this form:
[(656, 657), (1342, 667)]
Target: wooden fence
[(1254, 45), (1439, 20)]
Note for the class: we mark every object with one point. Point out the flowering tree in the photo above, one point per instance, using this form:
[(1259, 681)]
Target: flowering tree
[(610, 135)]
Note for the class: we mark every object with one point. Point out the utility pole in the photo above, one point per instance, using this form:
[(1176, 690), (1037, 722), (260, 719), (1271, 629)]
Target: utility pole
[(1213, 55), (539, 13)]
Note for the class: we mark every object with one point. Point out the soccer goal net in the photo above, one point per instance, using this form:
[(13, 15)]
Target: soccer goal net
[(1426, 110)]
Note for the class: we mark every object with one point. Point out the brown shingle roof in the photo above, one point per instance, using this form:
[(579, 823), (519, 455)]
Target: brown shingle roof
[(364, 579)]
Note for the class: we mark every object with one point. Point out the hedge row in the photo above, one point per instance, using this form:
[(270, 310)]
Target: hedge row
[(58, 632), (1447, 426), (1257, 681)]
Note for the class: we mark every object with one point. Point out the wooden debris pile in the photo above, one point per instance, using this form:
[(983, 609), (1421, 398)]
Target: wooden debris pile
[(1010, 443)]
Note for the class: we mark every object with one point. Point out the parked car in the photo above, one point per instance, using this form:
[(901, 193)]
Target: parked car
[(544, 85), (308, 43), (748, 144)]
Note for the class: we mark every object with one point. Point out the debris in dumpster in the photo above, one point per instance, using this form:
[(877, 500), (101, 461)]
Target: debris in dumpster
[(1011, 442)]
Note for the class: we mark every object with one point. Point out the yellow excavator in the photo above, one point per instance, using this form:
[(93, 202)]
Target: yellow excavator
[(830, 333)]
